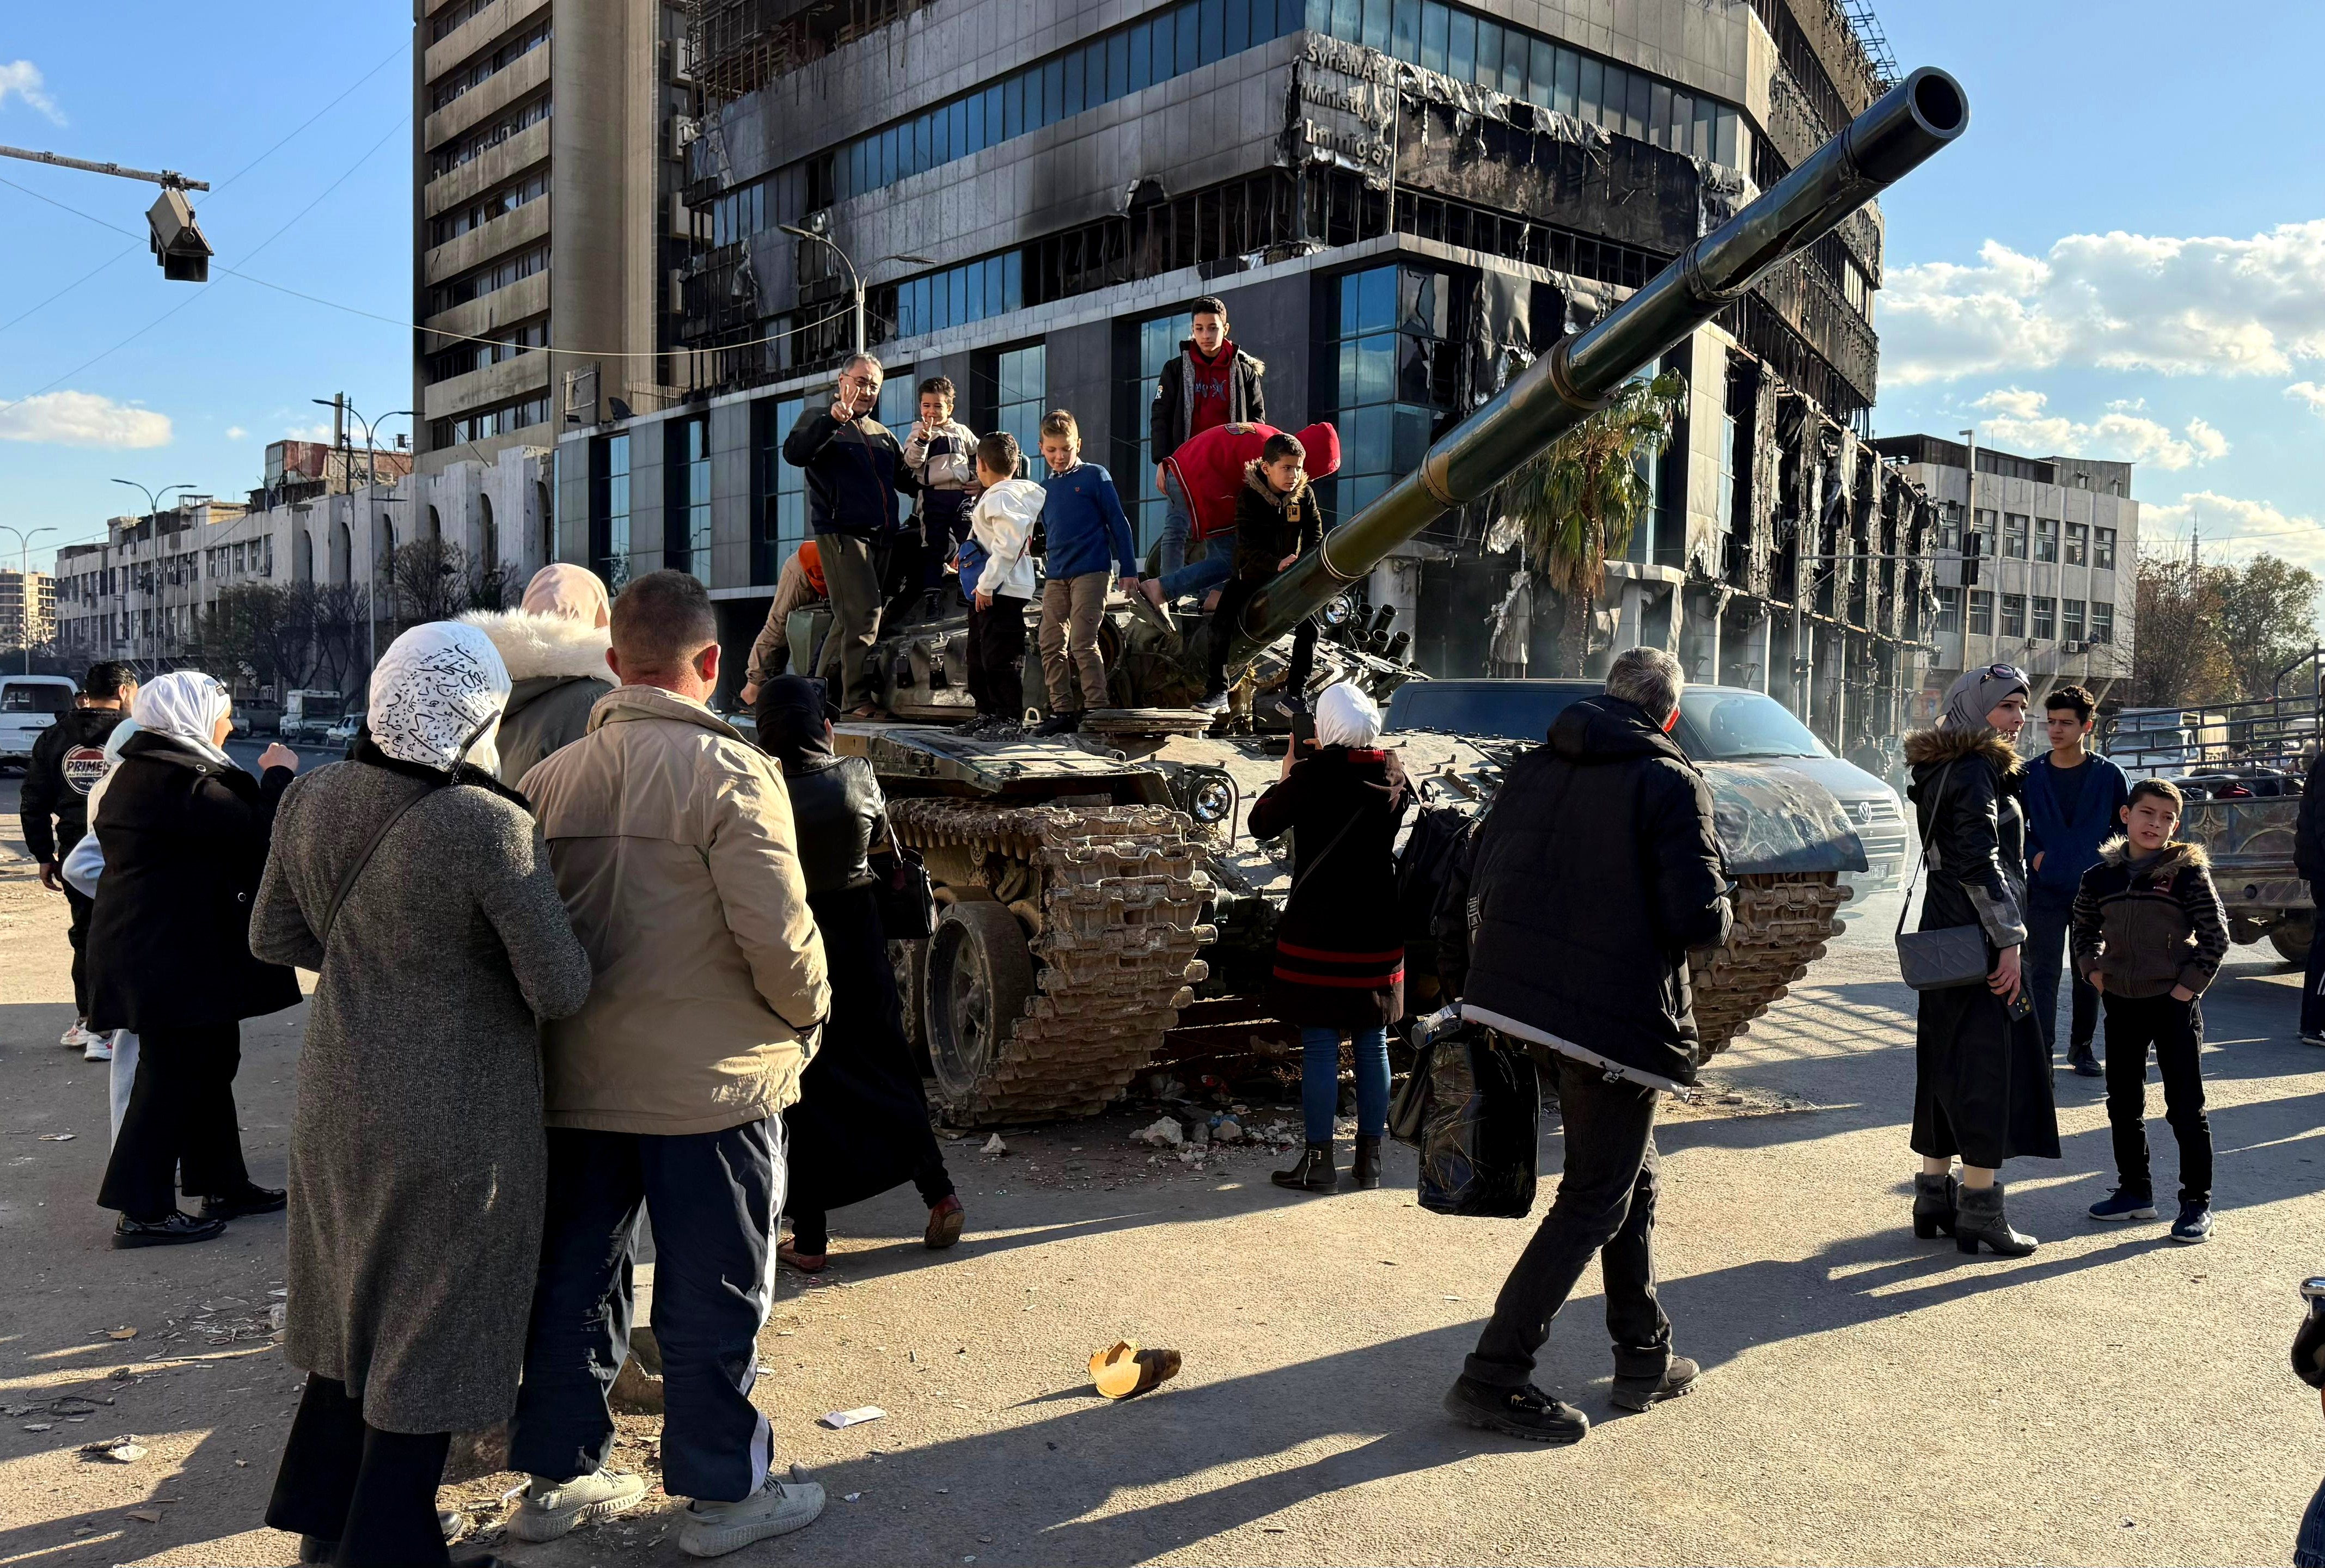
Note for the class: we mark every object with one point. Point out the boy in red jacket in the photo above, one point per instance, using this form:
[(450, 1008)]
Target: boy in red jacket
[(1208, 471)]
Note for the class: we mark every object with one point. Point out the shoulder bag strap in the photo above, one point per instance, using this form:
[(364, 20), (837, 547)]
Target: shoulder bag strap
[(363, 859), (1937, 799)]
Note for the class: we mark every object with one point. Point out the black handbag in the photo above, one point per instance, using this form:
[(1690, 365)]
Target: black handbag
[(1951, 956), (1481, 1128), (907, 900)]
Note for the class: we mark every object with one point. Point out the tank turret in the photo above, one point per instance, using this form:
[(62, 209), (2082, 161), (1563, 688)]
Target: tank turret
[(1083, 874)]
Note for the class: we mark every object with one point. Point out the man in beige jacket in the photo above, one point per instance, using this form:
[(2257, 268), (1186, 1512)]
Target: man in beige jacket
[(673, 842)]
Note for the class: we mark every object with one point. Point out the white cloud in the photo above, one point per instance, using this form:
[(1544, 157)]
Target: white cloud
[(2203, 306), (23, 78), (83, 419), (234, 433), (2019, 419), (2232, 526), (2310, 393), (306, 433)]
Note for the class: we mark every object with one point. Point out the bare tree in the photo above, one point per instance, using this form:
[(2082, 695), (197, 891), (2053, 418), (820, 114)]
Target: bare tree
[(2268, 619), (2178, 657)]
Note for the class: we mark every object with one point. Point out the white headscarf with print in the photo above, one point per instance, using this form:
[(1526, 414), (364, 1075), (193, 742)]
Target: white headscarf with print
[(437, 697)]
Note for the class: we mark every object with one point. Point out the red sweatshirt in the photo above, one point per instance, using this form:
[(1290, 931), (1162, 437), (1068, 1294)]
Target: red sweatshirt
[(1211, 468)]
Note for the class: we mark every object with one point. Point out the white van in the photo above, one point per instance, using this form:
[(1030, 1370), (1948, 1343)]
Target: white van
[(28, 705)]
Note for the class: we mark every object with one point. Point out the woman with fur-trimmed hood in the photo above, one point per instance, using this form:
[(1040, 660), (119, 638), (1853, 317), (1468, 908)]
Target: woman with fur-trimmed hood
[(554, 646), (1982, 1087)]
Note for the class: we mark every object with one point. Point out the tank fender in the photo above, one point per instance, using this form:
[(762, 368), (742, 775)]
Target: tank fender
[(1774, 820)]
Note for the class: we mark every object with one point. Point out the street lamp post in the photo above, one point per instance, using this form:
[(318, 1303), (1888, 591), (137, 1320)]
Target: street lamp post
[(153, 513), (855, 278), (25, 581), (371, 471)]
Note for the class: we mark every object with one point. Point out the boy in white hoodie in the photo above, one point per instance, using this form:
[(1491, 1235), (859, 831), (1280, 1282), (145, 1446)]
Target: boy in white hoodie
[(996, 571)]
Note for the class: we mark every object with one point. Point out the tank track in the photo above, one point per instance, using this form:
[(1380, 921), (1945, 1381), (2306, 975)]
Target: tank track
[(1781, 925), (1117, 890)]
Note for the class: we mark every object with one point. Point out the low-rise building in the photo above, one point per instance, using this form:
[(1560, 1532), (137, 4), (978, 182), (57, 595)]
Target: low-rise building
[(2057, 543), (162, 591), (28, 609)]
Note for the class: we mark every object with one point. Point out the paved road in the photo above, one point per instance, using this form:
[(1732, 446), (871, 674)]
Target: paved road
[(1868, 1398)]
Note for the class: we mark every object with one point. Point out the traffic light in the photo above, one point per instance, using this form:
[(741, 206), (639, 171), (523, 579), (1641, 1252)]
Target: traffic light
[(1973, 546), (176, 240)]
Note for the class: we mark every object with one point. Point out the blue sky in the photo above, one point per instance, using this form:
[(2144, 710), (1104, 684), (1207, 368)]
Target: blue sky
[(2124, 257)]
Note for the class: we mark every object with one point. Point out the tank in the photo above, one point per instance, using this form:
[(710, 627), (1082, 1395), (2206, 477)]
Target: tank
[(1102, 909)]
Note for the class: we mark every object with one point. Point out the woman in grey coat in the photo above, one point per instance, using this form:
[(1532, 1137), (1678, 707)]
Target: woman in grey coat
[(417, 1159)]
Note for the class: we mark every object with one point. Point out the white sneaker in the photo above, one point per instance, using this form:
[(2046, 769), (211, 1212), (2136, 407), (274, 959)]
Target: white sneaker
[(554, 1508), (98, 1049), (78, 1038), (778, 1507), (1217, 704)]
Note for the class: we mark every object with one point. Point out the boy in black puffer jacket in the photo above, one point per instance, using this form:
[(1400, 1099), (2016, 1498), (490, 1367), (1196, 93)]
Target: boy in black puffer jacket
[(2150, 934), (1275, 521)]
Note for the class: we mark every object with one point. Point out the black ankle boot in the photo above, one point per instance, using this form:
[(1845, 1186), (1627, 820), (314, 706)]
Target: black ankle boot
[(1979, 1217), (1313, 1173), (1365, 1173), (1934, 1199)]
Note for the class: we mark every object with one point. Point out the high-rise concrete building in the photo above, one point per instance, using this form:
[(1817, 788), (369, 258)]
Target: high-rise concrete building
[(2058, 544), (546, 163), (1400, 201)]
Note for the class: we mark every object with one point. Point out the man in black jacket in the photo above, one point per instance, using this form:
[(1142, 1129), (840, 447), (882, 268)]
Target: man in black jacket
[(1595, 871), (67, 761), (2308, 859), (855, 472)]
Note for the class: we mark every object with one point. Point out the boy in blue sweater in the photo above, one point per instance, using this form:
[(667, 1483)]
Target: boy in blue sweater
[(1089, 536), (2071, 799)]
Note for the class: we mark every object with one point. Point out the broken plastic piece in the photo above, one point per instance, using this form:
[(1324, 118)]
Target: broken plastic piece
[(1124, 1369), (993, 1145), (856, 1417)]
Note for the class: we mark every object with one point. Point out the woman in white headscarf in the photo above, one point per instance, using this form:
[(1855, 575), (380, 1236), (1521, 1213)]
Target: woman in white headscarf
[(415, 884), (185, 833), (1339, 952)]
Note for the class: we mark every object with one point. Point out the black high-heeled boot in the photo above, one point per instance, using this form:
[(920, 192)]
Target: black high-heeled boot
[(1313, 1173), (1934, 1202), (1979, 1217), (1365, 1173)]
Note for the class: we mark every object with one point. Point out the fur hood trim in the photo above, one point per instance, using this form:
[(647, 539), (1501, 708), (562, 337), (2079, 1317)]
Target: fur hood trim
[(2178, 855), (532, 646), (1255, 476), (1944, 744)]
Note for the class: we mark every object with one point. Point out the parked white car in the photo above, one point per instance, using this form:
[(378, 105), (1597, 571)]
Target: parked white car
[(28, 705)]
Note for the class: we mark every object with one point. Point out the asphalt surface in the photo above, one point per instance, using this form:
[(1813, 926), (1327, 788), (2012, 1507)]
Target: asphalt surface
[(1866, 1398)]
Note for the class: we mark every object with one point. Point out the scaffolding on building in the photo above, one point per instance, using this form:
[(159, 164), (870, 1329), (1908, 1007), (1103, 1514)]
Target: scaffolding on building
[(1859, 15), (738, 46)]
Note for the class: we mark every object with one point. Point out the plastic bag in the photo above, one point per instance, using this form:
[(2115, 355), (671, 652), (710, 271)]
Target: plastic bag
[(1479, 1136)]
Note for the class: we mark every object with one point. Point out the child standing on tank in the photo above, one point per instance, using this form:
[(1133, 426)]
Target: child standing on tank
[(997, 572), (1275, 521), (2149, 936), (1088, 535)]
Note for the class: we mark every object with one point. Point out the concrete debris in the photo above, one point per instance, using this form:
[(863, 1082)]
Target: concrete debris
[(121, 1333), (993, 1145), (57, 1137), (1163, 1134), (1227, 1131), (122, 1450)]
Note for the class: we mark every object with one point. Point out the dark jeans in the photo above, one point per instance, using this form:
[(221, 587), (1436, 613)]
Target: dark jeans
[(2176, 1028), (1320, 1081), (1232, 598), (2046, 949), (78, 935), (181, 1126), (1605, 1204), (374, 1492), (996, 658), (2309, 1547), (2313, 990), (712, 1199), (811, 1227)]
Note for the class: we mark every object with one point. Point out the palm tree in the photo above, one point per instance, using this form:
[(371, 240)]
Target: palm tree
[(1576, 504)]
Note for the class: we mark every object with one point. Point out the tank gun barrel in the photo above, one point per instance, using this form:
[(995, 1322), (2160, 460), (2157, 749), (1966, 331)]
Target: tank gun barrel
[(1887, 142)]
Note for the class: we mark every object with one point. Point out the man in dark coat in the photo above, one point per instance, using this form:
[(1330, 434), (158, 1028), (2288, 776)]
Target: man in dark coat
[(855, 472), (2308, 859), (1594, 874), (67, 761)]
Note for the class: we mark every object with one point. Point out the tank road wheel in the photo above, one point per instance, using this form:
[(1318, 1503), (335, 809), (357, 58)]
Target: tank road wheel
[(981, 973), (2290, 937)]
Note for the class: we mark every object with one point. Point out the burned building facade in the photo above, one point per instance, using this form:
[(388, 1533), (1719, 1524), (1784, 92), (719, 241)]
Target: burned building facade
[(1401, 203)]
